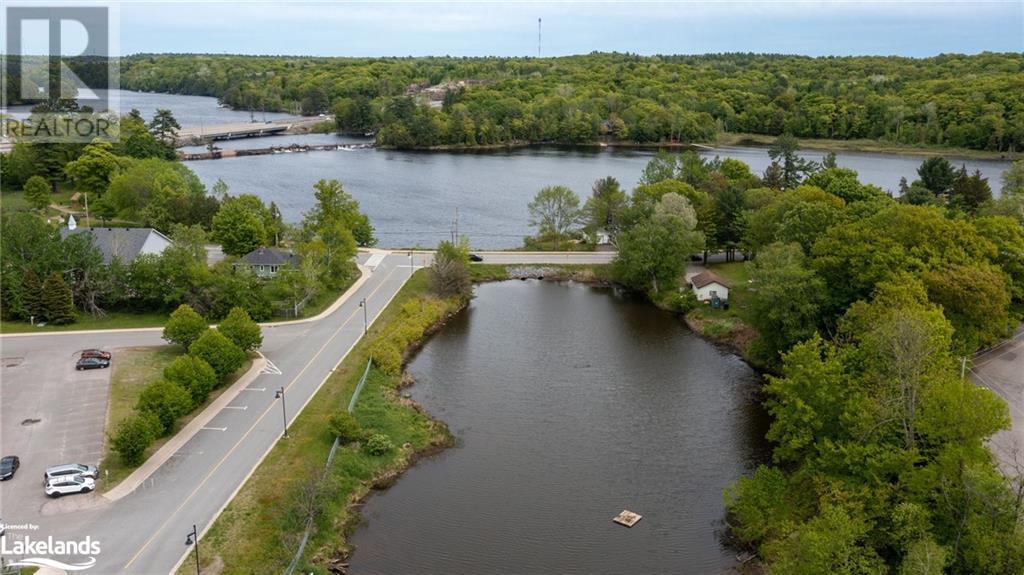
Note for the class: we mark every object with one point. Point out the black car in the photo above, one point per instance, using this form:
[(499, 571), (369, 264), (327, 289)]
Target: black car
[(92, 363), (8, 465), (95, 353), (475, 258)]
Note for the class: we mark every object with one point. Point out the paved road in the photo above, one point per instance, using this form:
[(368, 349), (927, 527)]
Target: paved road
[(145, 531), (1001, 369)]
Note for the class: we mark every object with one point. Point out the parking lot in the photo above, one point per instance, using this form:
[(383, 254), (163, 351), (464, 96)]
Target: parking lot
[(49, 414)]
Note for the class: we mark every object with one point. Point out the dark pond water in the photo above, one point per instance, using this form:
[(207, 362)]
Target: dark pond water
[(570, 404)]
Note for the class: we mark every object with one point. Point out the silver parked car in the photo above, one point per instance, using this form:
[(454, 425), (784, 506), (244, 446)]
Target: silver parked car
[(69, 484), (66, 469)]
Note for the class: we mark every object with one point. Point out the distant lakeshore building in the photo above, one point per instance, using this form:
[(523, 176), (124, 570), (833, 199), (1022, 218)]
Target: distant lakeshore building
[(708, 286), (125, 244), (266, 262)]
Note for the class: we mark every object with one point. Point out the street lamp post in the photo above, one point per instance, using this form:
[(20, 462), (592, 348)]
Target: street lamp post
[(193, 539), (411, 268), (284, 412), (366, 325)]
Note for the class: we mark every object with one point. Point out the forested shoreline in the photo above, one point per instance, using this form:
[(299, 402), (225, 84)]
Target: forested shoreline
[(973, 102)]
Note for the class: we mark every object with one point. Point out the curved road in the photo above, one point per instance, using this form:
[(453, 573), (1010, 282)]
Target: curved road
[(145, 531)]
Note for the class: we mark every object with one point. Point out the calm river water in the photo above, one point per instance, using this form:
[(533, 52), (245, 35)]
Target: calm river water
[(412, 197), (570, 404)]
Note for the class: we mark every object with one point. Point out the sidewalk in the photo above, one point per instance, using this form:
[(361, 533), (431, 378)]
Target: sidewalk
[(140, 475)]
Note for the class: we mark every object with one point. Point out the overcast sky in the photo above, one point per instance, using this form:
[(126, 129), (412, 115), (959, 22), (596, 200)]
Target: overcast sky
[(503, 28)]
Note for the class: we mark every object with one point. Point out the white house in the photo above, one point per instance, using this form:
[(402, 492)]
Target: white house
[(707, 286)]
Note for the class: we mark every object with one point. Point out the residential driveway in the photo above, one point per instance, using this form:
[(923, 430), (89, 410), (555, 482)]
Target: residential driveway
[(49, 414), (1001, 369)]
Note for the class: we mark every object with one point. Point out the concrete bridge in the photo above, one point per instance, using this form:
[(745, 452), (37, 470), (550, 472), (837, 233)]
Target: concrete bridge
[(202, 134)]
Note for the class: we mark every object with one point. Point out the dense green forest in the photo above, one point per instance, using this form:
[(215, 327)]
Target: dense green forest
[(950, 100)]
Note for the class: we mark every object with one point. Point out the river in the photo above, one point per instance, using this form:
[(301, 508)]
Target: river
[(570, 404), (413, 198)]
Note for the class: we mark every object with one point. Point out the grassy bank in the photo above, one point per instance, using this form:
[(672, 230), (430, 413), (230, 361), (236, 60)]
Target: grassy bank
[(729, 327), (133, 369), (259, 531), (134, 320), (873, 146)]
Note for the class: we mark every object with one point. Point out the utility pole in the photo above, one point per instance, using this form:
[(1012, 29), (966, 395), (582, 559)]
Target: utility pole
[(538, 37), (963, 367), (88, 222)]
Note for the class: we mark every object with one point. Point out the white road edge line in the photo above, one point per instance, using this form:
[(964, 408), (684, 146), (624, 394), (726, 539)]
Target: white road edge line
[(297, 413)]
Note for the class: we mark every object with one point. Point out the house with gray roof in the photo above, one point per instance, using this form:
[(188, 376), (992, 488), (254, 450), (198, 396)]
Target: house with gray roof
[(266, 262), (126, 244)]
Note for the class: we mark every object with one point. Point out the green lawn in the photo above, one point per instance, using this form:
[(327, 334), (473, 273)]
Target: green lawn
[(259, 531), (740, 288), (133, 369), (110, 320), (323, 300)]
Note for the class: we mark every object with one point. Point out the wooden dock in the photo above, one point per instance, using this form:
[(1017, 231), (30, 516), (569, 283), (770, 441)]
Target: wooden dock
[(627, 518)]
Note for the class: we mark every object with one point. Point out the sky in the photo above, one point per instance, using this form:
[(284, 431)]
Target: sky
[(917, 28)]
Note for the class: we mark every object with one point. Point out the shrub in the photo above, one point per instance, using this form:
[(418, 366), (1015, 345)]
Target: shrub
[(193, 374), (241, 330), (223, 356), (134, 436), (184, 326), (344, 426), (378, 444), (415, 318), (37, 191), (681, 301), (167, 401)]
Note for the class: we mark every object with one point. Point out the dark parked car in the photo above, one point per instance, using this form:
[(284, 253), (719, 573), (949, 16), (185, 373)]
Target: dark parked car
[(475, 258), (95, 353), (92, 363), (8, 465)]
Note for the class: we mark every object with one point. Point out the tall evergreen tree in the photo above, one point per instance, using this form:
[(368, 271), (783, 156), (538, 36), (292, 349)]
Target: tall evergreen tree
[(58, 306), (31, 294)]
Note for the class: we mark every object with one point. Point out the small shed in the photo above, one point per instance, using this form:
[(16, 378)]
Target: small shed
[(266, 262), (708, 285)]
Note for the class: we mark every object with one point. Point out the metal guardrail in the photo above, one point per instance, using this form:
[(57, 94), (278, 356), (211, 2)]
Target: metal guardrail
[(327, 467)]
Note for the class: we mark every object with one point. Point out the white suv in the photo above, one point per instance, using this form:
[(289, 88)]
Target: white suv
[(69, 484)]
